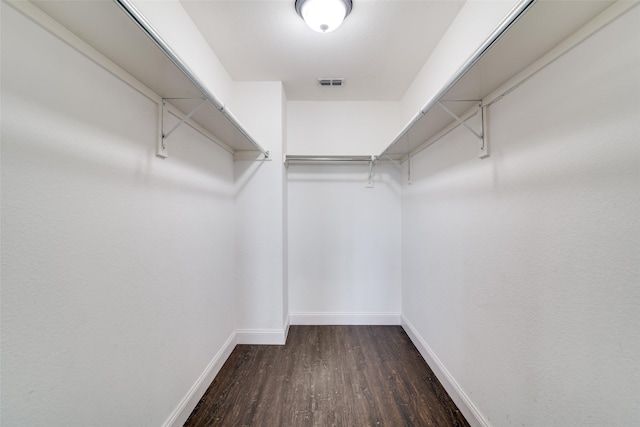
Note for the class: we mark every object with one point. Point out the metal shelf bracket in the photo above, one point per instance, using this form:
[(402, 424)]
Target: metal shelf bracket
[(370, 181), (399, 166), (483, 146), (162, 146)]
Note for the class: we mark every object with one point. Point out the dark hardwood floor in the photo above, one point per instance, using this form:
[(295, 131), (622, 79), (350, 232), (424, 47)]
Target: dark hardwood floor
[(328, 376)]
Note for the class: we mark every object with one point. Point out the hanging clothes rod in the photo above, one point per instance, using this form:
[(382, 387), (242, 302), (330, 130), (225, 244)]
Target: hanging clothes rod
[(306, 158), (502, 28), (148, 29), (327, 159)]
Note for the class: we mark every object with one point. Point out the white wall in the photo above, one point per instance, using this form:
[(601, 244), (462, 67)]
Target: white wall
[(285, 218), (259, 186), (259, 210), (117, 267), (260, 107), (521, 271), (341, 128), (344, 244)]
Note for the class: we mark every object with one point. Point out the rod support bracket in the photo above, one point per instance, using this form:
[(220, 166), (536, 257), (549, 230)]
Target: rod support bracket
[(483, 151), (370, 180)]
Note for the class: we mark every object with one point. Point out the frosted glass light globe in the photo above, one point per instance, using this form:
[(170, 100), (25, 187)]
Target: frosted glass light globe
[(323, 16)]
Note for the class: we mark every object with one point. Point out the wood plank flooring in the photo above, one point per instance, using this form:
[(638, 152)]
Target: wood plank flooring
[(328, 376)]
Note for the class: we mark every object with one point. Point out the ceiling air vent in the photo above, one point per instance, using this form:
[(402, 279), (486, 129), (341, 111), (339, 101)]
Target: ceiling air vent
[(331, 82)]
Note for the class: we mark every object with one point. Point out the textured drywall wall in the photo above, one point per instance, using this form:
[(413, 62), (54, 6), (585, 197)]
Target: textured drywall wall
[(117, 266), (344, 239), (285, 217), (260, 282), (341, 128), (521, 271)]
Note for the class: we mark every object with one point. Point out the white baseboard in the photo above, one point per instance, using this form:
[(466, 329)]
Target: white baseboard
[(459, 397), (262, 336), (345, 318), (287, 324), (180, 414)]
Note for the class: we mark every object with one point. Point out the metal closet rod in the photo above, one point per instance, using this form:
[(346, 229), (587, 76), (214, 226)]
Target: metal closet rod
[(146, 26), (502, 28), (337, 158)]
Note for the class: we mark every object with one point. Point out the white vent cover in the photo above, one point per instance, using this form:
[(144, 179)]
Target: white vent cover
[(331, 82)]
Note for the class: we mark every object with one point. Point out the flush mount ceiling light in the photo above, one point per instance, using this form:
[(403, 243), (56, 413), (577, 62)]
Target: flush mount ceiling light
[(323, 16)]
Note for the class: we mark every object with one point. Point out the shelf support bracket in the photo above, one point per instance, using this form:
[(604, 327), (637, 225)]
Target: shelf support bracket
[(370, 181), (483, 149), (162, 146), (399, 166)]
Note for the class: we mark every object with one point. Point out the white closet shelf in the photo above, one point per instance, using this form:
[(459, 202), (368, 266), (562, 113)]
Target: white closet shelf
[(521, 45), (118, 32)]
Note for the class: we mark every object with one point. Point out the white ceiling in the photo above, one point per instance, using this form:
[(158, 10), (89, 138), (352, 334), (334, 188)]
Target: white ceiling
[(379, 48)]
